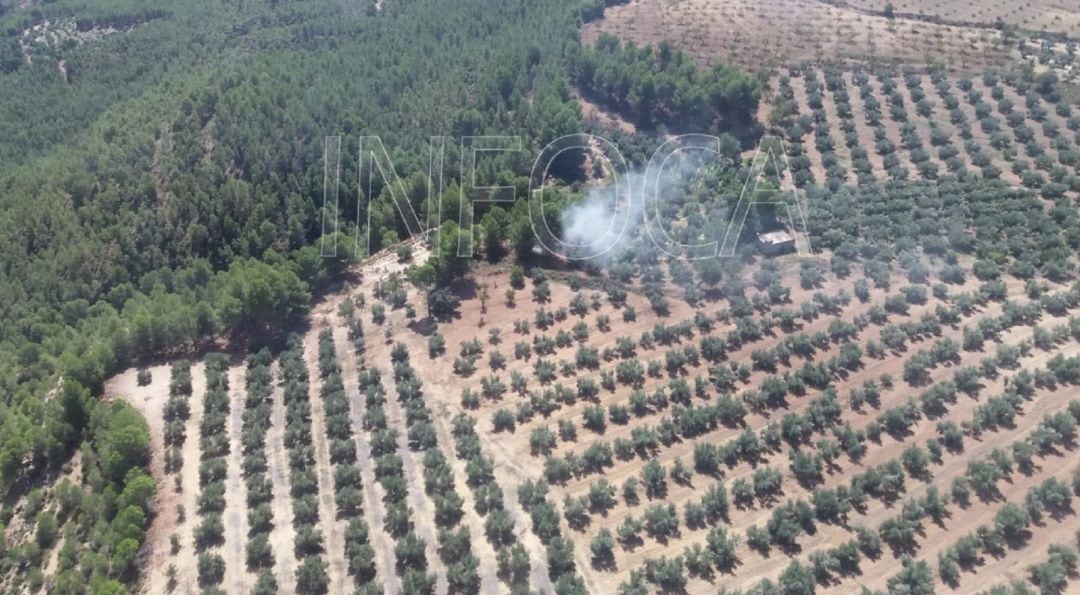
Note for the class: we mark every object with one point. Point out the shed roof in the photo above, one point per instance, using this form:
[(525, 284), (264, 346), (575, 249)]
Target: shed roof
[(775, 237)]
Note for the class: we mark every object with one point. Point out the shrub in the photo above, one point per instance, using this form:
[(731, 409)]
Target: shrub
[(211, 569)]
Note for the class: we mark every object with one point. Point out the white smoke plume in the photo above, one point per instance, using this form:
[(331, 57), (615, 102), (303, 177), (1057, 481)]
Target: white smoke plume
[(604, 224), (601, 225)]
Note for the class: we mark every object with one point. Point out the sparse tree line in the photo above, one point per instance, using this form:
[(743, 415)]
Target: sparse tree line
[(410, 556), (512, 559), (909, 135), (860, 162), (308, 546), (532, 495), (988, 123), (255, 422), (1047, 501), (940, 138), (835, 172), (1051, 576), (410, 550), (175, 414), (348, 488), (884, 145), (209, 534), (455, 546), (786, 114), (959, 120)]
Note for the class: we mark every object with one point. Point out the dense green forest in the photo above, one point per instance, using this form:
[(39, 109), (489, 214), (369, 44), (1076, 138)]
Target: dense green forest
[(127, 227), (662, 85)]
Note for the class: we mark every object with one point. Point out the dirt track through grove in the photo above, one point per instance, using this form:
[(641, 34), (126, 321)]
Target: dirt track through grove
[(282, 536), (237, 578)]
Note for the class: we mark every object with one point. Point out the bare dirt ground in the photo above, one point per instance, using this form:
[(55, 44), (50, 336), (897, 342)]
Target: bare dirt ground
[(237, 578), (150, 401), (282, 536), (604, 118), (753, 34), (1055, 16)]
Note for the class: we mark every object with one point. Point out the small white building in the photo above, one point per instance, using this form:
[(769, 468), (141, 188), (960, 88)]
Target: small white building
[(775, 242)]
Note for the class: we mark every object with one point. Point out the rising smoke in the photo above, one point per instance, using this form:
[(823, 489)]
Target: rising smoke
[(603, 225)]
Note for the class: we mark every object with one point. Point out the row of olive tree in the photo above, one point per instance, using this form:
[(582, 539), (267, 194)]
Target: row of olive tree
[(214, 446), (455, 545), (255, 421), (348, 488), (513, 561), (311, 575), (176, 412)]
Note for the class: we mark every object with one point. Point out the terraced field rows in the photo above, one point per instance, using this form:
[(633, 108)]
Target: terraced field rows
[(924, 126), (922, 429)]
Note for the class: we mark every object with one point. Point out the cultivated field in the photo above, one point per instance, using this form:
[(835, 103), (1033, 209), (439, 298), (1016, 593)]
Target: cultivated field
[(756, 34), (1052, 16), (862, 125), (836, 423), (897, 412)]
